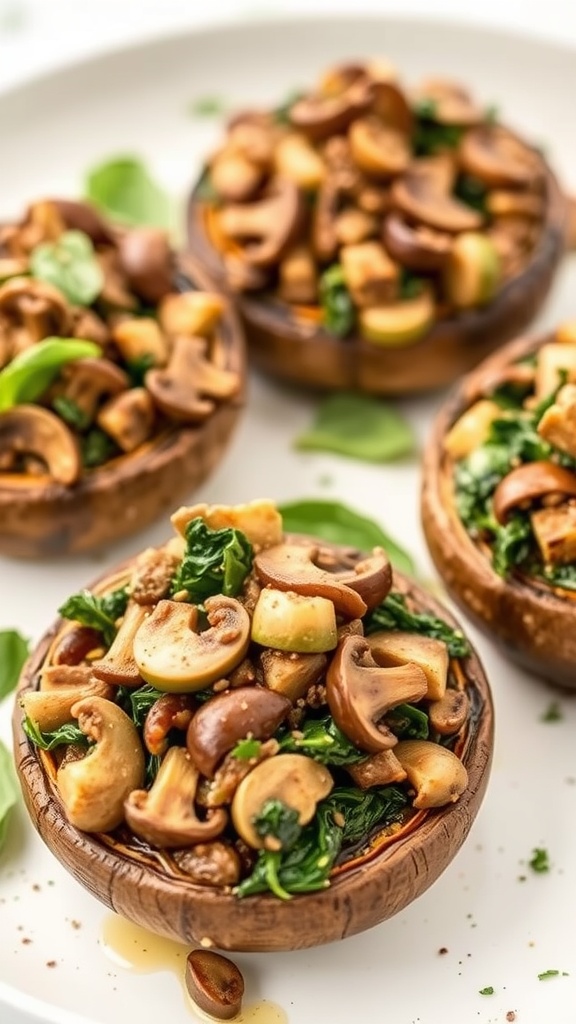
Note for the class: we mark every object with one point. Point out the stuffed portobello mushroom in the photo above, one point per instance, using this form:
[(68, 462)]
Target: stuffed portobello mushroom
[(242, 719), (121, 378), (499, 500), (376, 236)]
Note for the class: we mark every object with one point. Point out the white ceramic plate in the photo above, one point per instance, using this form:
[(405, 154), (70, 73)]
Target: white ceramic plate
[(499, 923)]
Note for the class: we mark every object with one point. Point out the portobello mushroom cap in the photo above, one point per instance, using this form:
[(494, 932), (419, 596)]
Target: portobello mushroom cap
[(41, 516), (284, 345), (530, 621), (150, 888)]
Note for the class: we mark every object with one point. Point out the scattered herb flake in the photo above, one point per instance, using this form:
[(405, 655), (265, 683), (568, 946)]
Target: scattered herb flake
[(488, 991), (13, 653), (539, 861), (553, 712), (207, 106), (339, 315), (544, 975), (359, 427), (246, 749)]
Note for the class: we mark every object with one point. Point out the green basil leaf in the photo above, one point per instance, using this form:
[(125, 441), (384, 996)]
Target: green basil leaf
[(8, 791), (13, 653), (339, 524), (70, 264), (359, 427), (34, 369), (123, 189), (339, 314), (207, 106)]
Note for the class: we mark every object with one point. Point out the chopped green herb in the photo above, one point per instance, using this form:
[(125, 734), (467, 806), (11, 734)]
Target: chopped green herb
[(246, 749), (71, 265), (551, 974), (394, 613), (488, 991), (215, 562), (14, 649), (282, 113), (68, 733), (359, 427), (322, 740), (124, 189), (97, 612), (8, 792), (207, 106), (339, 524), (137, 703), (539, 861), (553, 712), (411, 285), (429, 136), (339, 315), (70, 412), (471, 191), (32, 371), (138, 368), (279, 822), (97, 448)]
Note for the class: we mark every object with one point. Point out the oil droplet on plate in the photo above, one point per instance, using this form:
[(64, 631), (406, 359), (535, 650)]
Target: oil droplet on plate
[(136, 949)]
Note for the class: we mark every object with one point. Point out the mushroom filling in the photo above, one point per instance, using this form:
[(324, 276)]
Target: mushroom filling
[(217, 710), (371, 209), (511, 462), (101, 352)]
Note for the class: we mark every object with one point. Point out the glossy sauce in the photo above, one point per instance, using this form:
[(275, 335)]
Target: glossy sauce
[(135, 949)]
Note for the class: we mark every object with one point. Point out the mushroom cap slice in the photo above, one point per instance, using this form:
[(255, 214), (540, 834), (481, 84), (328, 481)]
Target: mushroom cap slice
[(531, 482), (360, 692), (173, 657), (295, 780), (379, 150), (266, 228), (449, 102), (420, 194), (397, 647), (165, 815), (415, 245), (320, 117), (93, 789), (435, 772), (32, 430), (147, 261), (180, 388), (221, 722), (497, 157), (87, 381)]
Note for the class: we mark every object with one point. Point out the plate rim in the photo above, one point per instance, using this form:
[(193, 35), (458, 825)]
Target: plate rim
[(37, 1009)]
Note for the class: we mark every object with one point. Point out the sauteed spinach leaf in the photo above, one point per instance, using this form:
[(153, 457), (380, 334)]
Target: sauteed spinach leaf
[(98, 612), (322, 740), (393, 613), (215, 562), (68, 733)]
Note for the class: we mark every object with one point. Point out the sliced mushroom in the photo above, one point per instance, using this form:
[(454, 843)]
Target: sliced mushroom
[(220, 723), (268, 227), (290, 674), (505, 203), (171, 711), (378, 150), (296, 781), (558, 424), (292, 567), (172, 656), (323, 116), (118, 664), (554, 361), (253, 134), (395, 647), (186, 388), (93, 789), (52, 708), (298, 277), (31, 430), (220, 790), (449, 103), (421, 194), (380, 769), (555, 533), (390, 105), (415, 245), (449, 714), (370, 275), (531, 482), (354, 225), (86, 382), (360, 692), (296, 159), (434, 771), (259, 520), (165, 815), (499, 158), (80, 216), (128, 418), (234, 176), (31, 310), (146, 260)]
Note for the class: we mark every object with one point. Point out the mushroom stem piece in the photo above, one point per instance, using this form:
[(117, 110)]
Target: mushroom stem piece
[(93, 789)]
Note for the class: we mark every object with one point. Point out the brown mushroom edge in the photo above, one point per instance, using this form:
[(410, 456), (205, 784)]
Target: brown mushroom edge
[(372, 889), (306, 355), (45, 519), (531, 623)]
